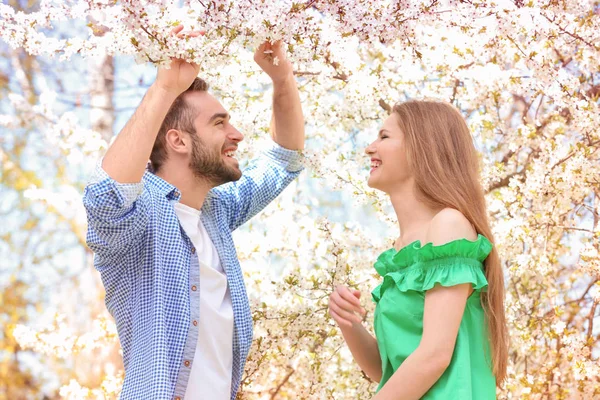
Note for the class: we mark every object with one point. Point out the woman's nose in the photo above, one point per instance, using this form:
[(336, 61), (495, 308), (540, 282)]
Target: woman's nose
[(370, 149)]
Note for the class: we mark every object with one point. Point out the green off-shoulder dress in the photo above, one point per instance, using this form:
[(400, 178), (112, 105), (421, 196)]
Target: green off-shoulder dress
[(407, 275)]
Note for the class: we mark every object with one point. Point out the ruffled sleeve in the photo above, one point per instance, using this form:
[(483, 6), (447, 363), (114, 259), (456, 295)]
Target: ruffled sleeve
[(420, 268)]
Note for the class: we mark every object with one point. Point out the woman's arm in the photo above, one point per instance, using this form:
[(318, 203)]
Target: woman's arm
[(444, 307), (343, 307), (364, 350)]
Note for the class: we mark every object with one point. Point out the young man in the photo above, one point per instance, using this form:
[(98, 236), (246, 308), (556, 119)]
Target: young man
[(163, 241)]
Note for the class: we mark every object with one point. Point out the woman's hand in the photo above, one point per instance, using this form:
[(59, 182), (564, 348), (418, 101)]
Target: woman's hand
[(344, 305)]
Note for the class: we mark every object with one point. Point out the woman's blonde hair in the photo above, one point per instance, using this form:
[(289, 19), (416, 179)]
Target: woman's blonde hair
[(444, 163)]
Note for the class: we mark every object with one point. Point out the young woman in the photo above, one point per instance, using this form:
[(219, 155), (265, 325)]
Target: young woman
[(439, 320)]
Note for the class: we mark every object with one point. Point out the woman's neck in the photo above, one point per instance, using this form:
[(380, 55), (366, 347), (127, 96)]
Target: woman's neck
[(413, 215)]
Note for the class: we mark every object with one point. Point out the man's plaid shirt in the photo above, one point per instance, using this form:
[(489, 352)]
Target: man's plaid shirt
[(150, 271)]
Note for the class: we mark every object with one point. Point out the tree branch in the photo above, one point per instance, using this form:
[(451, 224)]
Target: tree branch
[(385, 106), (573, 35), (504, 181)]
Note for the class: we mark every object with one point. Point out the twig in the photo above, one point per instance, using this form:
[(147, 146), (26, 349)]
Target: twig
[(504, 181), (283, 382), (581, 298), (591, 320), (306, 73), (572, 154), (573, 35), (385, 106)]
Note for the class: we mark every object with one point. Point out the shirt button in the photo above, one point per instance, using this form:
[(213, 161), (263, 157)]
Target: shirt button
[(186, 363), (195, 323), (193, 250), (194, 288)]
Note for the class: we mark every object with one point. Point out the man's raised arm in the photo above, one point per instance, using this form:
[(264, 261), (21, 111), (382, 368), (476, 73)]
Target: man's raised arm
[(126, 159), (287, 125)]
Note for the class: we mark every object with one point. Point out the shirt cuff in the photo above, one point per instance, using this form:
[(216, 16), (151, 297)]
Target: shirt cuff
[(129, 191), (292, 160)]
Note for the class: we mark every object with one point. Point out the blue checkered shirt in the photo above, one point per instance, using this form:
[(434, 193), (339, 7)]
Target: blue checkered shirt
[(151, 274)]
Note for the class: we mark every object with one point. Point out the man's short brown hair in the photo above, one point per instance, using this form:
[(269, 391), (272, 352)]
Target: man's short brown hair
[(181, 117)]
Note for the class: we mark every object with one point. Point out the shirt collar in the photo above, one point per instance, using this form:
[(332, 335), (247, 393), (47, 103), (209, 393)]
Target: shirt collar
[(164, 187), (170, 191)]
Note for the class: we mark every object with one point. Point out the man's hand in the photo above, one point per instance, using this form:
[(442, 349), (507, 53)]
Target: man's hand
[(181, 74), (271, 58), (126, 158)]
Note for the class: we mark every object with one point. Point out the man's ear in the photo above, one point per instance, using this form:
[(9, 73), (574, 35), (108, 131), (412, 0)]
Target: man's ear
[(178, 141)]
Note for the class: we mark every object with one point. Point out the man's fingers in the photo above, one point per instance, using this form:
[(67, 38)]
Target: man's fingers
[(190, 34), (176, 30), (277, 45), (265, 48)]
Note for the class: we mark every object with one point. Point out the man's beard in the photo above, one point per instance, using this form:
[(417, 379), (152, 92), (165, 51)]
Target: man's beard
[(209, 165)]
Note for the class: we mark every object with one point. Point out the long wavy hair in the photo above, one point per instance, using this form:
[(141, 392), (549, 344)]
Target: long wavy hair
[(445, 166)]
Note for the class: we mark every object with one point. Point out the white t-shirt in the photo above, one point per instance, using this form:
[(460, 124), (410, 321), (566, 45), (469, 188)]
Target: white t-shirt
[(210, 377)]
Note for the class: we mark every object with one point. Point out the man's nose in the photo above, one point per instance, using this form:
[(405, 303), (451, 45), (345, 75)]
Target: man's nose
[(235, 135)]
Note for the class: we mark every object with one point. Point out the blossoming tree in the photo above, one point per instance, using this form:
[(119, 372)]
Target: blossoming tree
[(526, 75)]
